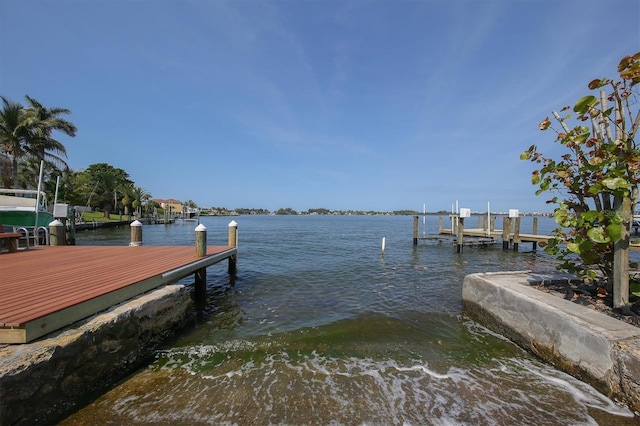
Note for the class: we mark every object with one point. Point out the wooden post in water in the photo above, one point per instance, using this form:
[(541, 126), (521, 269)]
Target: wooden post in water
[(464, 212), (516, 234), (136, 233), (535, 232), (460, 230), (233, 242), (505, 232), (514, 227), (201, 251), (415, 230)]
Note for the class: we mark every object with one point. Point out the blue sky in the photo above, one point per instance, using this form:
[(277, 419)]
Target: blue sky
[(364, 105)]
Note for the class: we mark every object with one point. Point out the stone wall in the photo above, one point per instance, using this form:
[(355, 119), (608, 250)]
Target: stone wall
[(591, 346), (48, 379)]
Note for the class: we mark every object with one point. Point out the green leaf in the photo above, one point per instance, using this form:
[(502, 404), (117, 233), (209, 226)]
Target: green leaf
[(616, 183), (598, 235), (615, 231), (591, 216), (580, 139), (573, 247), (614, 217), (584, 104), (634, 287), (535, 178)]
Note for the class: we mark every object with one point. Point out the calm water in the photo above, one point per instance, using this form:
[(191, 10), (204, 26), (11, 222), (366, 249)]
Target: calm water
[(320, 328)]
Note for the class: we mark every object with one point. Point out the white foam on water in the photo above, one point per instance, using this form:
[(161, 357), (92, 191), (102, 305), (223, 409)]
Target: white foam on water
[(243, 382), (581, 391), (425, 369)]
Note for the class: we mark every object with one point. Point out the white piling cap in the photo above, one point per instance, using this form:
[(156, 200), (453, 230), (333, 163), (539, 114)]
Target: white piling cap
[(233, 223), (136, 223), (201, 228), (56, 222)]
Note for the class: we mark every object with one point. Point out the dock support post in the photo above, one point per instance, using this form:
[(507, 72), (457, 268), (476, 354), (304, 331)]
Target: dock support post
[(460, 230), (136, 233), (415, 230), (201, 251), (233, 242), (71, 228), (57, 233), (505, 232), (535, 232), (516, 234)]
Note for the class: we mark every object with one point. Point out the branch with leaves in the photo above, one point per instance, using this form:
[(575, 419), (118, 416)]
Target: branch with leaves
[(598, 174)]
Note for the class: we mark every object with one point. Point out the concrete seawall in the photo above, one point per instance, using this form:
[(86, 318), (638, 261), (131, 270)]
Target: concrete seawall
[(595, 348), (48, 379)]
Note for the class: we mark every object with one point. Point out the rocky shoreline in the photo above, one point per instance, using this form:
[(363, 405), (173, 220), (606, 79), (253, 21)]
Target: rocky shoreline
[(44, 381)]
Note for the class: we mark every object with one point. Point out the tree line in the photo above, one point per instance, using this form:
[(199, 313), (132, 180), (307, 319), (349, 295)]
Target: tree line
[(28, 138)]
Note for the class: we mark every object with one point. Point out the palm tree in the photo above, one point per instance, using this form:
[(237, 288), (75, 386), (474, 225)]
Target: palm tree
[(106, 188), (43, 121), (27, 132), (139, 198), (14, 134)]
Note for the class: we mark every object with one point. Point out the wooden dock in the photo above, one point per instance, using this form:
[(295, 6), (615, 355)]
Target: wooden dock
[(46, 288), (486, 233)]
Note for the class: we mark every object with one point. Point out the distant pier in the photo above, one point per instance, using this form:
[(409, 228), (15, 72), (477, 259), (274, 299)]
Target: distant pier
[(485, 234)]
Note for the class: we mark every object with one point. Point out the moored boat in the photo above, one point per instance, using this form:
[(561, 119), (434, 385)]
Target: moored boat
[(24, 208)]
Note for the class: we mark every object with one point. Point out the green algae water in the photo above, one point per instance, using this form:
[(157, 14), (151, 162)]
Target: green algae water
[(320, 328)]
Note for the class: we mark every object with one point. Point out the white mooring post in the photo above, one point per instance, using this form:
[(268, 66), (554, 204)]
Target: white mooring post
[(201, 251), (201, 240), (57, 233), (136, 233)]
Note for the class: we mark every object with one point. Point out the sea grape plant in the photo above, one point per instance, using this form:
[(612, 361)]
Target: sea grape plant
[(595, 182)]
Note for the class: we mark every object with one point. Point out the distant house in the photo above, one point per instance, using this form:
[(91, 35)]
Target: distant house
[(171, 206)]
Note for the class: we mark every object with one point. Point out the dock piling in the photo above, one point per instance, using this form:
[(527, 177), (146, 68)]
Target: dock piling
[(201, 240), (57, 233), (505, 232), (415, 230), (201, 251), (516, 234), (460, 234), (136, 233), (233, 242)]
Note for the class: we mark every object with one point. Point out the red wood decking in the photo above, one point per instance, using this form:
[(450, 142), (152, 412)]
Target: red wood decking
[(43, 289)]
